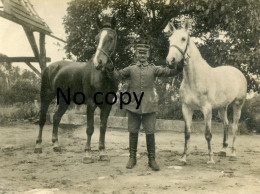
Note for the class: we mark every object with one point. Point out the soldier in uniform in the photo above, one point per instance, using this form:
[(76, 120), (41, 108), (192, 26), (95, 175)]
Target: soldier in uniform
[(141, 79)]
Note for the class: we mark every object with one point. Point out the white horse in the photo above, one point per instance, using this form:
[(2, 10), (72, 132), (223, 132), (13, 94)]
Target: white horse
[(204, 88)]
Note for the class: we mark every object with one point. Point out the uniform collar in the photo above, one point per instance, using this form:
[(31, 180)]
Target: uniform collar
[(142, 64)]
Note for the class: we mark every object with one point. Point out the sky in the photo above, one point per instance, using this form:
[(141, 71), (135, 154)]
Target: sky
[(14, 43)]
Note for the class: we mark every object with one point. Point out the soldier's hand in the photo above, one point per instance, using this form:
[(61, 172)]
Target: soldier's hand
[(110, 67), (180, 66)]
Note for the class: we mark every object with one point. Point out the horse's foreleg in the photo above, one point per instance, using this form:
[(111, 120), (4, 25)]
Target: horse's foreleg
[(43, 111), (237, 106), (56, 121), (187, 114), (90, 123), (207, 111), (223, 115), (90, 130), (105, 110)]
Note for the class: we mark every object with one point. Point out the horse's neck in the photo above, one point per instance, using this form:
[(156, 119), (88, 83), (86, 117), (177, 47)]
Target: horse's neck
[(197, 69), (93, 76), (96, 77)]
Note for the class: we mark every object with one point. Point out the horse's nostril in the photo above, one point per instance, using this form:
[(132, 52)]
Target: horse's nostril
[(173, 59), (100, 61)]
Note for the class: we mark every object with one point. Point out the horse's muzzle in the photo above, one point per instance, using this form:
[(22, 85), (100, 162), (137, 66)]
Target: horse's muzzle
[(99, 65), (171, 63)]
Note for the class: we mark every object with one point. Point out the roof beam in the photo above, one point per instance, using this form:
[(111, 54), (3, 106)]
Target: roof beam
[(23, 23), (34, 69), (34, 46), (22, 59)]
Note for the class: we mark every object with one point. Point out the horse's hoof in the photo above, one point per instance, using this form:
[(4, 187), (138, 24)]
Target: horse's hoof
[(87, 149), (233, 154), (88, 159), (210, 162), (222, 154), (104, 157), (232, 158), (57, 149), (183, 160), (38, 150)]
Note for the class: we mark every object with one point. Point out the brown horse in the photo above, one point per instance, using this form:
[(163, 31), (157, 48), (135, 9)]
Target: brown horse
[(86, 78), (204, 88)]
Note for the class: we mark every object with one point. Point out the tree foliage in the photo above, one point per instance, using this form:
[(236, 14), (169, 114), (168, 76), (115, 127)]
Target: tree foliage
[(229, 30)]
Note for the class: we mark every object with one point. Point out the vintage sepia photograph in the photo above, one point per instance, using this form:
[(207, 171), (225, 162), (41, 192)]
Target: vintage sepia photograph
[(129, 96)]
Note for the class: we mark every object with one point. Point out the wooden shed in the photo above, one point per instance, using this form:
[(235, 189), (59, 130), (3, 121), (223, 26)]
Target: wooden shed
[(23, 13)]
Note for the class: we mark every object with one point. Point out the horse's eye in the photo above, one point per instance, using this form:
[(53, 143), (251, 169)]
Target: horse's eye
[(183, 39)]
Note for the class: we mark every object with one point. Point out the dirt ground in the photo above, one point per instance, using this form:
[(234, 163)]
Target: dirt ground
[(23, 171)]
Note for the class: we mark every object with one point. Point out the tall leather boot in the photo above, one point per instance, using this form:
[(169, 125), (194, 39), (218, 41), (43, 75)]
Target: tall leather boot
[(150, 142), (133, 140)]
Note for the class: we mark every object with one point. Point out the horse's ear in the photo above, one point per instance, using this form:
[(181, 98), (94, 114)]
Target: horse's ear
[(113, 22), (171, 27), (99, 23)]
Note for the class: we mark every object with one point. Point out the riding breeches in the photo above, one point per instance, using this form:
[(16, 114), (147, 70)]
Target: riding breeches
[(148, 121)]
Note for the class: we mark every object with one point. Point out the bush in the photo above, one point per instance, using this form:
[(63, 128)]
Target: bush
[(7, 113), (24, 91), (251, 114)]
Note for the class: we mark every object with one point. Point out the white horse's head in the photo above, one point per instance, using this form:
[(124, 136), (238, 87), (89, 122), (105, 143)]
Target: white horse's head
[(178, 44)]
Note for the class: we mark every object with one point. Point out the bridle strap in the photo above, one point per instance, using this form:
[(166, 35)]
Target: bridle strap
[(109, 57), (100, 49), (179, 49)]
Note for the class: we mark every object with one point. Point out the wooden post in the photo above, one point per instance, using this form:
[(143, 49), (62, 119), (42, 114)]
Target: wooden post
[(33, 44), (42, 51), (23, 13)]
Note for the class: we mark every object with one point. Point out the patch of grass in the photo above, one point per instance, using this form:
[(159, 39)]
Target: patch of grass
[(19, 111), (7, 113)]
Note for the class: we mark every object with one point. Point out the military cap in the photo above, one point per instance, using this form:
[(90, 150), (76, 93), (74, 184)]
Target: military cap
[(143, 45)]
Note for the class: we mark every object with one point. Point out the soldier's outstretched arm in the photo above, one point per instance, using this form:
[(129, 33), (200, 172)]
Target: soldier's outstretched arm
[(119, 75), (165, 71)]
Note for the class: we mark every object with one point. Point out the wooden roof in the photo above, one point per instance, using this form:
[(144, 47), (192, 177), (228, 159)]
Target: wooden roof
[(23, 13)]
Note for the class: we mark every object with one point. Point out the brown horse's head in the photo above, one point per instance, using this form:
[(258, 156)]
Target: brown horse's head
[(106, 44)]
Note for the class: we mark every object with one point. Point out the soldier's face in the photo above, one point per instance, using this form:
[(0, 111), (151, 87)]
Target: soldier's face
[(142, 56)]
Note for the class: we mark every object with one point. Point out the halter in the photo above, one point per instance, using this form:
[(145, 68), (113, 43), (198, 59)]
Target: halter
[(104, 52), (182, 52)]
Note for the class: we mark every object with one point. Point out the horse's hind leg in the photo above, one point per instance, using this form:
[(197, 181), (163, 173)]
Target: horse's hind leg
[(56, 121), (207, 111), (45, 102), (187, 114), (237, 107), (223, 115)]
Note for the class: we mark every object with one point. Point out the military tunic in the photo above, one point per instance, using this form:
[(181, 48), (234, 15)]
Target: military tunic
[(142, 78)]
